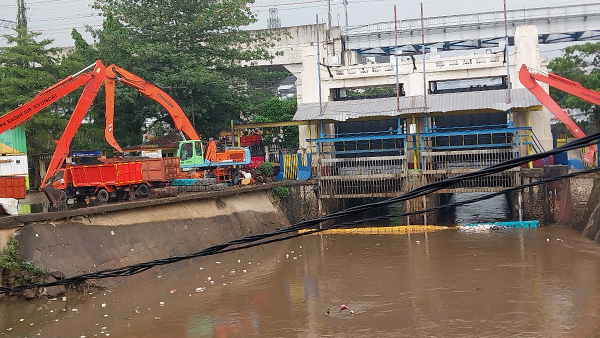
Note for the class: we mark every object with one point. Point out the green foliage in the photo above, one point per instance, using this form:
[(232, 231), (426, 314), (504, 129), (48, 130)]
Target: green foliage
[(266, 168), (580, 63), (281, 192), (372, 91), (277, 110), (10, 260), (28, 66), (195, 50)]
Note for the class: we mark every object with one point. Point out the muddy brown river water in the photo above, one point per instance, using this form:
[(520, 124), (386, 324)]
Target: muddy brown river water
[(509, 283)]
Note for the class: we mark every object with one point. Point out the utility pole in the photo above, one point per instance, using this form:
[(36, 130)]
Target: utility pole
[(329, 15), (274, 20), (21, 15), (346, 11)]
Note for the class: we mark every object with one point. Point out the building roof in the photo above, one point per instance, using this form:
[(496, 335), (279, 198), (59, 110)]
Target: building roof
[(491, 100)]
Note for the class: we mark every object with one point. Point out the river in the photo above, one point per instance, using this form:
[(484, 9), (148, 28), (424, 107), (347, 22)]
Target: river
[(509, 283)]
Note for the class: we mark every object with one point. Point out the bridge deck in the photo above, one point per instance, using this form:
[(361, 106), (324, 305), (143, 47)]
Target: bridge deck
[(481, 30)]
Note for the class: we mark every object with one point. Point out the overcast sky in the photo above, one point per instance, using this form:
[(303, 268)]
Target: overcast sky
[(56, 18)]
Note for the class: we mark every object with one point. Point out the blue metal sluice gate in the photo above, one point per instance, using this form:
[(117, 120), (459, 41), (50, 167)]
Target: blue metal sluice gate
[(385, 163)]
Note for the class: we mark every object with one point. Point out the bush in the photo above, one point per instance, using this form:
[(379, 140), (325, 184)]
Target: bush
[(10, 260), (267, 168), (281, 192)]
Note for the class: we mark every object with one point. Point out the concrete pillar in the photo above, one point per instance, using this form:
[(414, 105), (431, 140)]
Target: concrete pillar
[(527, 52)]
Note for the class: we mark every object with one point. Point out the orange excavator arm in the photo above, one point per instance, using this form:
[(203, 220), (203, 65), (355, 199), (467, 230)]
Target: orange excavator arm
[(45, 98), (83, 105), (529, 80), (147, 89), (92, 81)]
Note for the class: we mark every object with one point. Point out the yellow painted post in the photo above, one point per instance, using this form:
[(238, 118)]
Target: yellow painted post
[(232, 134), (529, 136), (309, 143), (415, 163)]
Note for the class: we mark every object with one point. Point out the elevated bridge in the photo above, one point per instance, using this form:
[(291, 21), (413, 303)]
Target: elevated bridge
[(470, 31)]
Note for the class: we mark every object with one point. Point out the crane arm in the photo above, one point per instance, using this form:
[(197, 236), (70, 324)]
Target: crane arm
[(529, 80), (83, 105), (147, 89), (45, 98)]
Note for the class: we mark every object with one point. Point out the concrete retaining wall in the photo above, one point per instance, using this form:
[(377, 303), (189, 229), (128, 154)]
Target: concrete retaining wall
[(120, 238)]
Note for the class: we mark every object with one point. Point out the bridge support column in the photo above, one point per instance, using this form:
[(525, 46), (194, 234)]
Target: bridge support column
[(534, 198), (420, 203)]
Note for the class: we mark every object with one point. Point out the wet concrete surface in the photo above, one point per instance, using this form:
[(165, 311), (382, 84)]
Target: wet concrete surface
[(509, 283)]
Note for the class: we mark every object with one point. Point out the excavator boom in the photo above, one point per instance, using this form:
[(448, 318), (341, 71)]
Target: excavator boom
[(83, 105), (92, 81), (530, 81), (147, 89), (43, 99)]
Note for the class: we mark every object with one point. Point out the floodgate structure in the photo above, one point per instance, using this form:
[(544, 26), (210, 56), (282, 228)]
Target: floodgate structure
[(387, 113)]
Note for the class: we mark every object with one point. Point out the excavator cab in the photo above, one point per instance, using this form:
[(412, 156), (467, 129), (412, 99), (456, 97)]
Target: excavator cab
[(191, 154)]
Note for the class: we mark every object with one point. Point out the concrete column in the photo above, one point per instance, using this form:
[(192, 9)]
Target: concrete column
[(527, 52)]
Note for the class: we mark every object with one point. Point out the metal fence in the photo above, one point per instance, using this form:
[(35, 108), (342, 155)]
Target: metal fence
[(361, 177)]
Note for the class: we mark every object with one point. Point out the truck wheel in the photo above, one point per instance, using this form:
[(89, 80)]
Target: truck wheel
[(143, 190), (235, 177), (63, 197), (103, 196), (121, 195)]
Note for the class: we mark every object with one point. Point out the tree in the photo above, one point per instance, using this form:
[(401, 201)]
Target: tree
[(195, 50), (276, 110), (28, 66), (580, 63)]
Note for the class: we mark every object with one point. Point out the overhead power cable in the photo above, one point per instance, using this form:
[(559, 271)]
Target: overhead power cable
[(261, 239)]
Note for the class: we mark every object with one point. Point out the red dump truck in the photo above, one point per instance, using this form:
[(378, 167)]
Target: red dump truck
[(114, 179)]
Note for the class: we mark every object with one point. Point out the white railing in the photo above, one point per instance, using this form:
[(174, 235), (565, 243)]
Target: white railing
[(432, 65), (516, 17)]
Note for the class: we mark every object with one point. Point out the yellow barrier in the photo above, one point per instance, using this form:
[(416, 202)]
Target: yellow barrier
[(403, 229), (290, 167)]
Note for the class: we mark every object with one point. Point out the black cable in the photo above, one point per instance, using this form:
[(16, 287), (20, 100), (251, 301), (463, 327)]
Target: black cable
[(426, 189)]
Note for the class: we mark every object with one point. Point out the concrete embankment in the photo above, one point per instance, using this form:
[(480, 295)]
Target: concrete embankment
[(587, 220), (121, 234)]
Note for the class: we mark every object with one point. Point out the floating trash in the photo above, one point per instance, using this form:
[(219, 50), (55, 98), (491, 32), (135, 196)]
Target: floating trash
[(103, 304)]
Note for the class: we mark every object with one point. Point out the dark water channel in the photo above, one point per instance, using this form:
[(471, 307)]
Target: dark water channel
[(509, 283)]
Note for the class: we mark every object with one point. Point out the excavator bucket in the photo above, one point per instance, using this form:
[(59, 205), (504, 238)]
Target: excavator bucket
[(53, 194), (588, 157)]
